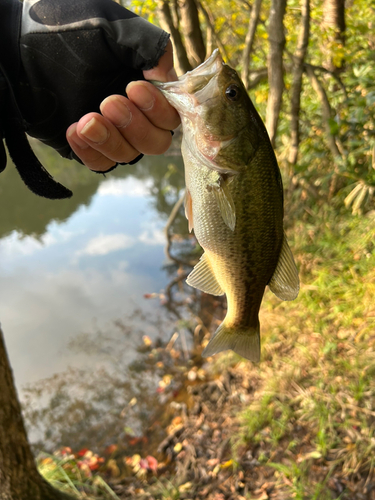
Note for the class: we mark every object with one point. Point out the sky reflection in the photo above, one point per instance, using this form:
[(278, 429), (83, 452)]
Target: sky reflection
[(82, 273)]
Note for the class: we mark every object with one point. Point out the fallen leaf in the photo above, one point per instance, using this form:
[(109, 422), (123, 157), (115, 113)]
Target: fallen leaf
[(152, 463), (146, 340), (177, 448)]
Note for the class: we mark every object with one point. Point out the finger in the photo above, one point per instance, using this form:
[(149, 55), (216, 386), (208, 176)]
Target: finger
[(153, 104), (93, 159), (99, 144), (138, 130), (104, 137), (164, 71)]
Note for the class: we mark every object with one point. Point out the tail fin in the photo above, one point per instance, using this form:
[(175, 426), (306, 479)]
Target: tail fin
[(245, 342)]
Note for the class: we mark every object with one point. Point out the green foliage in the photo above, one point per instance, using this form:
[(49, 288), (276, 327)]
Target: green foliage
[(349, 175)]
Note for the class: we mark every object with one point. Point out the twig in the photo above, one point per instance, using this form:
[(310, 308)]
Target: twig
[(249, 40), (210, 23), (170, 221), (295, 101)]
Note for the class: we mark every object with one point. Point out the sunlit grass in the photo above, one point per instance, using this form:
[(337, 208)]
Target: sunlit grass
[(65, 473), (316, 403)]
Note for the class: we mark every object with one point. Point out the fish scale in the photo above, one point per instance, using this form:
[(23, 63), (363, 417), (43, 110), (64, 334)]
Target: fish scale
[(234, 201)]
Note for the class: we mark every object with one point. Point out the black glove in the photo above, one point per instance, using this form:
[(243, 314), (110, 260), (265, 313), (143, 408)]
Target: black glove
[(60, 59)]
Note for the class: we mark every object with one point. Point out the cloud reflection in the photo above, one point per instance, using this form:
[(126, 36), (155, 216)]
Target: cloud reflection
[(15, 244), (135, 188), (153, 237), (107, 243)]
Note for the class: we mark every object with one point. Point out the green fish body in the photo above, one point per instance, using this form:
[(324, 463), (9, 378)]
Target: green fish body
[(234, 201)]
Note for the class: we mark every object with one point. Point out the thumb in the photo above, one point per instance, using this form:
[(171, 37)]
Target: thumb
[(164, 71)]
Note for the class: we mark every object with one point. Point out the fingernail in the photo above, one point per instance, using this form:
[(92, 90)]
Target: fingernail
[(72, 135), (142, 98), (95, 131), (116, 111)]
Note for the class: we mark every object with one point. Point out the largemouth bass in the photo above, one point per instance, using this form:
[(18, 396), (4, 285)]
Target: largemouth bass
[(234, 201)]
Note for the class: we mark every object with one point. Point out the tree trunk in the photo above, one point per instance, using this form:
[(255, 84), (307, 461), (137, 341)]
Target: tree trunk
[(298, 60), (166, 22), (249, 40), (191, 30), (275, 66), (19, 477), (334, 21)]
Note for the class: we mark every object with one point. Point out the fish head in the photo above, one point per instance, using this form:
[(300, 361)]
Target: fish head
[(220, 124)]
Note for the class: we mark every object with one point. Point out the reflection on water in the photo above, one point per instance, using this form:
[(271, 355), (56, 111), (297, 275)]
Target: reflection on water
[(70, 266)]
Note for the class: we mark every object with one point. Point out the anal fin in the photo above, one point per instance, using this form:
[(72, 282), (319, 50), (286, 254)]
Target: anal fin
[(203, 278), (285, 282)]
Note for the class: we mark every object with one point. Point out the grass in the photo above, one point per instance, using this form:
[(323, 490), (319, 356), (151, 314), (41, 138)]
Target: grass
[(65, 472), (315, 406)]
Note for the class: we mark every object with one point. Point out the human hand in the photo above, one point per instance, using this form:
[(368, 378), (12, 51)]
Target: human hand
[(63, 59), (128, 127)]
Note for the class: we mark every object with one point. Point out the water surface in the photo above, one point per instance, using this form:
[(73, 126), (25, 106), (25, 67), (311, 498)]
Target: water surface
[(71, 266)]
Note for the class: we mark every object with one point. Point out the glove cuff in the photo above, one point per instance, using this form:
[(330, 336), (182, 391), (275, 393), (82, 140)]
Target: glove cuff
[(10, 23)]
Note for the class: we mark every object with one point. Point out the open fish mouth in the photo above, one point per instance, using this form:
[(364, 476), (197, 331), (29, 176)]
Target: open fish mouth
[(194, 87)]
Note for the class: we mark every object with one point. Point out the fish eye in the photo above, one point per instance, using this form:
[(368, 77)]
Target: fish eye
[(232, 93)]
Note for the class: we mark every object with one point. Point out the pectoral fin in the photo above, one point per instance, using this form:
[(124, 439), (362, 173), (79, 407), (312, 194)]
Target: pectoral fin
[(203, 278), (225, 202), (189, 209), (285, 282)]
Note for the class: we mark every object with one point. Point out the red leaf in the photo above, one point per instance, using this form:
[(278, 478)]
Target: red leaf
[(152, 463), (111, 449), (143, 464), (82, 452)]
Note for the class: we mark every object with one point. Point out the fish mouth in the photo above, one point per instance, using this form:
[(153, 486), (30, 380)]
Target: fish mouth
[(194, 87)]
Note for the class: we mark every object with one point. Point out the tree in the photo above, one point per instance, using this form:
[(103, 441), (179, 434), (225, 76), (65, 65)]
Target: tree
[(170, 24), (190, 26), (19, 477), (275, 66), (298, 68), (249, 41), (334, 23)]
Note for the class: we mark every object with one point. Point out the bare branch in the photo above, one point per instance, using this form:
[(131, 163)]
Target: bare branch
[(257, 76), (249, 40), (299, 57), (215, 36), (331, 73), (168, 235), (327, 115)]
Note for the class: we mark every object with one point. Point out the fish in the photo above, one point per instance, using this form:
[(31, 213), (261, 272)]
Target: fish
[(234, 201)]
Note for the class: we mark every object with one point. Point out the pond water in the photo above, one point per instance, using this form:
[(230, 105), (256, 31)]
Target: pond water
[(72, 266)]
